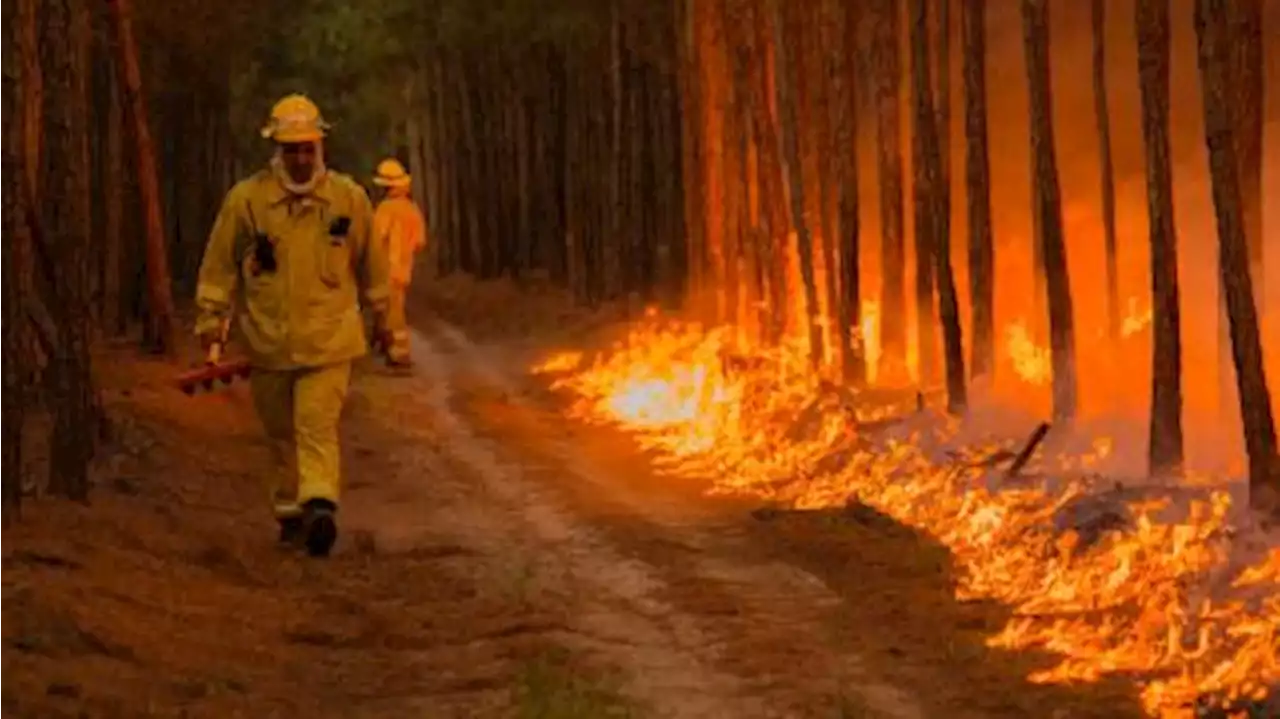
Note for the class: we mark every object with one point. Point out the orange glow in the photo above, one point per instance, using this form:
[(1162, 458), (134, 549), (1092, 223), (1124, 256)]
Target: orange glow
[(1165, 600)]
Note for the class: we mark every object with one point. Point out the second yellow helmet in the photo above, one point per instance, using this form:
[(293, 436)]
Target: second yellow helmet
[(391, 174)]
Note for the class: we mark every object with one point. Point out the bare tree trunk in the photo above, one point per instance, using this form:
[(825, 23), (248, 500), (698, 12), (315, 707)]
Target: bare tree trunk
[(934, 240), (1165, 443), (978, 181), (1248, 87), (113, 318), (31, 136), (32, 88), (925, 204), (774, 209), (13, 216), (1103, 118), (159, 287), (893, 340), (65, 44), (1049, 210), (943, 109), (1214, 50), (794, 187), (1245, 85), (853, 350)]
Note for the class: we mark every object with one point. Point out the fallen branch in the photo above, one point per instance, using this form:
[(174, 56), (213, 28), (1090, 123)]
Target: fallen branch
[(1025, 455)]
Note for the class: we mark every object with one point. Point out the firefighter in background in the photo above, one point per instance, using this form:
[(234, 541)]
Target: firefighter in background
[(290, 254), (398, 226)]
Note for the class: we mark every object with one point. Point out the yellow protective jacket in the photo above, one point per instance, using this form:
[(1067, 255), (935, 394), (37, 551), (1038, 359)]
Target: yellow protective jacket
[(399, 227), (305, 313)]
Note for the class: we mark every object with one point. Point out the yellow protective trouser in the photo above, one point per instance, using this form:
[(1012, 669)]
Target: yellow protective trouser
[(398, 324), (300, 410)]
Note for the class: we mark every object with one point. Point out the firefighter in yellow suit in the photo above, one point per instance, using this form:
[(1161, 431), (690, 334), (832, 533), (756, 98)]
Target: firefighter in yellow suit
[(290, 256), (398, 226)]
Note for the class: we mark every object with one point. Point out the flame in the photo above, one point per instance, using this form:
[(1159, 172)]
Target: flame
[(1164, 601), (1030, 361), (869, 336), (1134, 320)]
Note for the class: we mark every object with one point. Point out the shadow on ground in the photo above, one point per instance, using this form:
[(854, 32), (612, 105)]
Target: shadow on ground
[(899, 590)]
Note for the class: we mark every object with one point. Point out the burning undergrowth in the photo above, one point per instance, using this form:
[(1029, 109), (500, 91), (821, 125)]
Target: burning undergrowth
[(1175, 587)]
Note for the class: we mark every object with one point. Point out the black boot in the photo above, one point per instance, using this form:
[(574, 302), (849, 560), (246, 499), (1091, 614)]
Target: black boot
[(321, 527), (290, 531), (400, 365)]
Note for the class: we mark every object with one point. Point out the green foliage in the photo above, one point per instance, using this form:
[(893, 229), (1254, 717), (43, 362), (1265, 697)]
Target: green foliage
[(355, 59)]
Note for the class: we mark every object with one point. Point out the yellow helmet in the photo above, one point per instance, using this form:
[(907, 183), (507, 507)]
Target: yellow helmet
[(295, 118), (391, 174)]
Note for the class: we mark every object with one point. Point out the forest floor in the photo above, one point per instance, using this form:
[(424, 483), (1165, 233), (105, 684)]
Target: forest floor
[(497, 559)]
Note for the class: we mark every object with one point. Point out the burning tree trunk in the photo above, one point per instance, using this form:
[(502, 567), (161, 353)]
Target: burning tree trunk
[(925, 202), (789, 151), (14, 216), (1165, 442), (732, 169), (1214, 50), (854, 364), (1245, 87), (943, 112), (893, 339), (978, 181), (1048, 209), (820, 50), (1103, 118), (692, 151), (774, 210), (935, 242), (158, 283), (65, 243)]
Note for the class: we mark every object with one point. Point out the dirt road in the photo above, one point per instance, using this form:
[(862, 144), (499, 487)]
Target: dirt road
[(496, 560)]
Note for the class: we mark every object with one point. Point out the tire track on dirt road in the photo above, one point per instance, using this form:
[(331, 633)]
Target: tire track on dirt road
[(616, 614), (701, 627)]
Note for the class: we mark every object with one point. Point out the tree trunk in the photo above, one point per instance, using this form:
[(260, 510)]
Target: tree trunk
[(925, 203), (934, 241), (113, 316), (1245, 86), (13, 176), (1103, 118), (160, 294), (774, 210), (1164, 451), (893, 339), (1214, 51), (852, 343), (31, 148), (943, 105), (978, 184), (1048, 208), (789, 151), (65, 44)]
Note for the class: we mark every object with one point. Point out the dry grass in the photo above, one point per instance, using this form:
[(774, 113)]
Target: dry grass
[(167, 597)]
